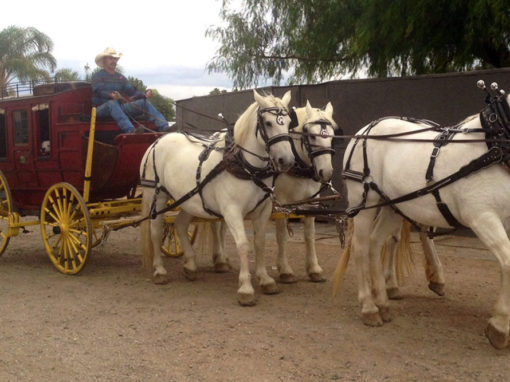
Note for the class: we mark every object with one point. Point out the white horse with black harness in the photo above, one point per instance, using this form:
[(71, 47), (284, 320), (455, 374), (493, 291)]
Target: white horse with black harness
[(230, 179), (312, 138), (310, 175), (466, 184)]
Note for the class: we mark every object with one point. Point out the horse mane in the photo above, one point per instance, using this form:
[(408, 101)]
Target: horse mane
[(467, 119), (249, 116), (244, 120)]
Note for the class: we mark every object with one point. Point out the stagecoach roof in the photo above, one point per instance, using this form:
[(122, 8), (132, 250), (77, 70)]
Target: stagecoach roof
[(33, 89)]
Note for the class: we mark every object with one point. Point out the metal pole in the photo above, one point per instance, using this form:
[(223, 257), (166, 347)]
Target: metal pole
[(90, 152)]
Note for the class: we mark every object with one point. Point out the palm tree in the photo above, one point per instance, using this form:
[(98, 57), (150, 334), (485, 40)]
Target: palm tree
[(66, 74), (25, 54)]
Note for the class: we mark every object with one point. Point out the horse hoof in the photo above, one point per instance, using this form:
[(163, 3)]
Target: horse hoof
[(245, 299), (497, 339), (221, 268), (372, 319), (270, 288), (385, 314), (437, 288), (160, 279), (287, 278), (394, 294), (190, 275), (316, 277)]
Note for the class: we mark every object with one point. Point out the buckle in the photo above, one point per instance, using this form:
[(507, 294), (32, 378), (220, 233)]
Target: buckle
[(435, 152)]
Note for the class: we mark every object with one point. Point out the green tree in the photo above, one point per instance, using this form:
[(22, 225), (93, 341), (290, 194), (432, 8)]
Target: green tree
[(164, 105), (25, 54), (217, 91), (313, 40), (66, 74)]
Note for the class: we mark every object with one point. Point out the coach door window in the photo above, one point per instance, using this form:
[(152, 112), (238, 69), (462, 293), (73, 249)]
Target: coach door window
[(3, 140), (20, 118), (42, 128)]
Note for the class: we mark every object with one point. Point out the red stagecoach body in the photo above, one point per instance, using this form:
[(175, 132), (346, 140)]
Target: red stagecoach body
[(60, 113)]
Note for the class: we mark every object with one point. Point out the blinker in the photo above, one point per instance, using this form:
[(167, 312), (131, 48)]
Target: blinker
[(293, 119)]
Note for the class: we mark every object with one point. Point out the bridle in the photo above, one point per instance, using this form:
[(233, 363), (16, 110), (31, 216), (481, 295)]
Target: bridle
[(311, 149), (300, 168), (279, 113)]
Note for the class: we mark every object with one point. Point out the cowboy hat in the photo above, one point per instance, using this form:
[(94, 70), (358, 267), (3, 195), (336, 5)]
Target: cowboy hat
[(108, 52)]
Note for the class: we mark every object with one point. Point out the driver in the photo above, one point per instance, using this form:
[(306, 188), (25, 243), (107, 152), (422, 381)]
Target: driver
[(114, 96)]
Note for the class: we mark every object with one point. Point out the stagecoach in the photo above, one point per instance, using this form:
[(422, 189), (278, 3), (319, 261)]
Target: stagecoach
[(78, 176)]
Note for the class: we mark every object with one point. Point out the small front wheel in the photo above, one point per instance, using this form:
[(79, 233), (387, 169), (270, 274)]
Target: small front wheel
[(66, 228)]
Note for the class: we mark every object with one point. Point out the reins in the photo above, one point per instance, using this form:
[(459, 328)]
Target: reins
[(232, 160)]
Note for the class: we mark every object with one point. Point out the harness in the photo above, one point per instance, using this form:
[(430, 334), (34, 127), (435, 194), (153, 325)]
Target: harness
[(495, 120), (233, 161), (301, 169)]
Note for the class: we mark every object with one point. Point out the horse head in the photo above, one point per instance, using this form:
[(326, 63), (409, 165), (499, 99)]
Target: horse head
[(317, 128), (269, 117)]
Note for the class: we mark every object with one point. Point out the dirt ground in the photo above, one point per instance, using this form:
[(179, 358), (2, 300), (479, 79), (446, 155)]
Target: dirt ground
[(111, 323)]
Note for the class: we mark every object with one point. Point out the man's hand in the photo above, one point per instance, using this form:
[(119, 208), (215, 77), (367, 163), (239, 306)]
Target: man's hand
[(115, 95)]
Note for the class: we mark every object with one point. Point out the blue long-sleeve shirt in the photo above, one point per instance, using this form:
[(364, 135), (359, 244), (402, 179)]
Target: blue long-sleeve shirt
[(103, 83)]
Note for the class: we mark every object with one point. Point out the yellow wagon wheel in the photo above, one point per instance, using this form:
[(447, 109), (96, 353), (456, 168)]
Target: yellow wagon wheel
[(5, 212), (170, 245), (66, 228)]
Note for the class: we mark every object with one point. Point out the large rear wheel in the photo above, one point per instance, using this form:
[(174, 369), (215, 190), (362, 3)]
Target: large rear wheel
[(66, 228), (5, 212)]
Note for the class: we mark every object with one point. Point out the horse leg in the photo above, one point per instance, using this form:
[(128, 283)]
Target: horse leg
[(220, 259), (266, 282), (235, 223), (181, 224), (386, 224), (313, 268), (286, 274), (390, 271), (433, 266), (156, 234), (360, 246), (491, 232)]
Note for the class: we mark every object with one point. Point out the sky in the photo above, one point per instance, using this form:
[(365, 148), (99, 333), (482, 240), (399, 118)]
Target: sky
[(163, 42)]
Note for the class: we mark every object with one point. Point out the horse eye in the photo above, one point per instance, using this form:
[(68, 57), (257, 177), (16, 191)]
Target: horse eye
[(268, 124)]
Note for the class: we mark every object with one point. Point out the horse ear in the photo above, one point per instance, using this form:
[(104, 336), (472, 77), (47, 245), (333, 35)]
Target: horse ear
[(260, 100), (308, 109), (329, 110), (286, 98)]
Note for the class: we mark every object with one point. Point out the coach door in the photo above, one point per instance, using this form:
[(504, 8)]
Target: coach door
[(23, 152)]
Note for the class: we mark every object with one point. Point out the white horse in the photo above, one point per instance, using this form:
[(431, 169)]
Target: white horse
[(313, 168), (261, 137), (480, 200)]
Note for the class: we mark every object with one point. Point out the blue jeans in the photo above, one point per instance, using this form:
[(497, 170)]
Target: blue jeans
[(122, 112)]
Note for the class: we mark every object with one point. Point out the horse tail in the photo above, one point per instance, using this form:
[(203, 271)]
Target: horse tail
[(203, 242), (145, 228), (338, 274), (404, 260)]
